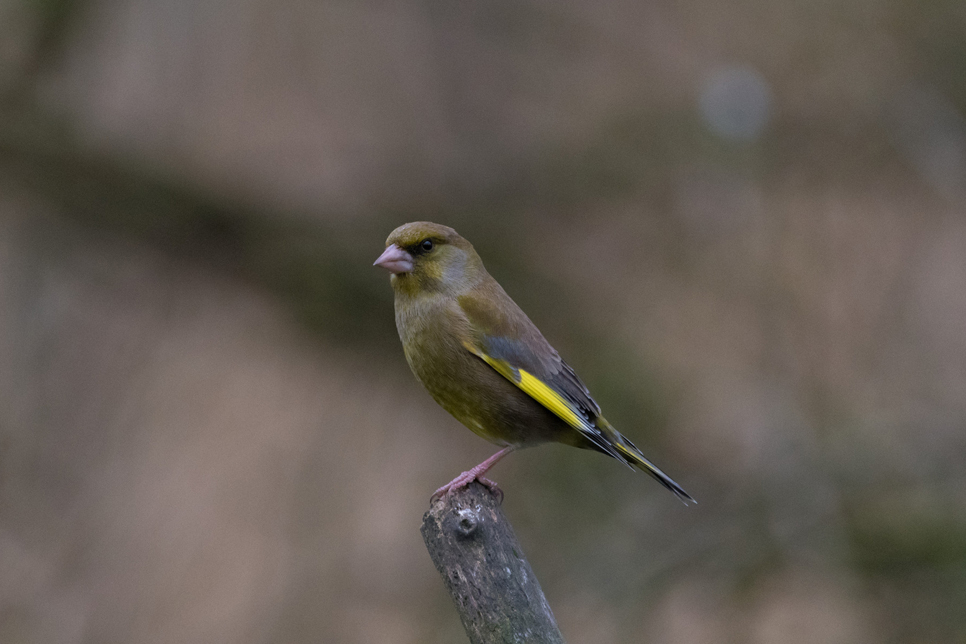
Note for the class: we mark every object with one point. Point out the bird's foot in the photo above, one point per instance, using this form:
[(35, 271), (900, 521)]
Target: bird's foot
[(475, 474), (462, 481)]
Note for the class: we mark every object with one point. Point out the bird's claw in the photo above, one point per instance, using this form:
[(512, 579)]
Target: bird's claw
[(492, 487), (462, 481)]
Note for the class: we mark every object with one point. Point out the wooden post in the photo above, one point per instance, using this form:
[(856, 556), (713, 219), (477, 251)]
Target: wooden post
[(495, 591)]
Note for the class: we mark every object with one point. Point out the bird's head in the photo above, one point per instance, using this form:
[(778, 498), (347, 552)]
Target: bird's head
[(424, 257)]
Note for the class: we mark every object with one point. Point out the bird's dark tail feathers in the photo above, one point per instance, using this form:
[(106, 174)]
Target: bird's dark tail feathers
[(633, 456)]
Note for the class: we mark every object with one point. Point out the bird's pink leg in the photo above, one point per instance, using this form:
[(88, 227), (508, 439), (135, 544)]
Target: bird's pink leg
[(475, 474)]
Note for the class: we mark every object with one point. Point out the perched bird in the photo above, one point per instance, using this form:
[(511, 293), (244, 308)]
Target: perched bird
[(484, 361)]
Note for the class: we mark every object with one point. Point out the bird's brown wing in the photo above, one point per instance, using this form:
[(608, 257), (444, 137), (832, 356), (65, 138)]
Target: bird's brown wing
[(505, 338)]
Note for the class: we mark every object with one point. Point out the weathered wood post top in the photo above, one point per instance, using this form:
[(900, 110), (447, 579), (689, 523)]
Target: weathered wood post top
[(495, 591)]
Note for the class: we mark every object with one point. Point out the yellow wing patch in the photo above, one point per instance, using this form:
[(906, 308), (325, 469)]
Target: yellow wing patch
[(536, 389), (549, 399)]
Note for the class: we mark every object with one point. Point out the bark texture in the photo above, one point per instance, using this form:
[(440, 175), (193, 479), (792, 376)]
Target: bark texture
[(495, 591)]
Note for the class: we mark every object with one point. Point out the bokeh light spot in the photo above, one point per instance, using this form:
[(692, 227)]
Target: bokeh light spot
[(735, 103)]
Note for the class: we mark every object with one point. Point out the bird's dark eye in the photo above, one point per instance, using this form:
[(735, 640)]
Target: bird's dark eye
[(426, 245)]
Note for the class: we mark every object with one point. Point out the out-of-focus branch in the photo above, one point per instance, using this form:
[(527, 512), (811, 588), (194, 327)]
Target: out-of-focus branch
[(495, 591), (291, 256)]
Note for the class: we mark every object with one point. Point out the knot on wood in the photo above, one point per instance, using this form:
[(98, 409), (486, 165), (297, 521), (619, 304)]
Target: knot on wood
[(467, 522)]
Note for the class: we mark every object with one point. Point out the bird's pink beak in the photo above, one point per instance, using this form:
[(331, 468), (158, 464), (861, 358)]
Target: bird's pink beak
[(395, 260)]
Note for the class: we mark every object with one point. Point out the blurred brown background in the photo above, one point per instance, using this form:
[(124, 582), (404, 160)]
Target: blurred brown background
[(742, 222)]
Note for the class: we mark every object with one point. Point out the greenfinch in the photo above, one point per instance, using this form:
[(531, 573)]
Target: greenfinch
[(483, 360)]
